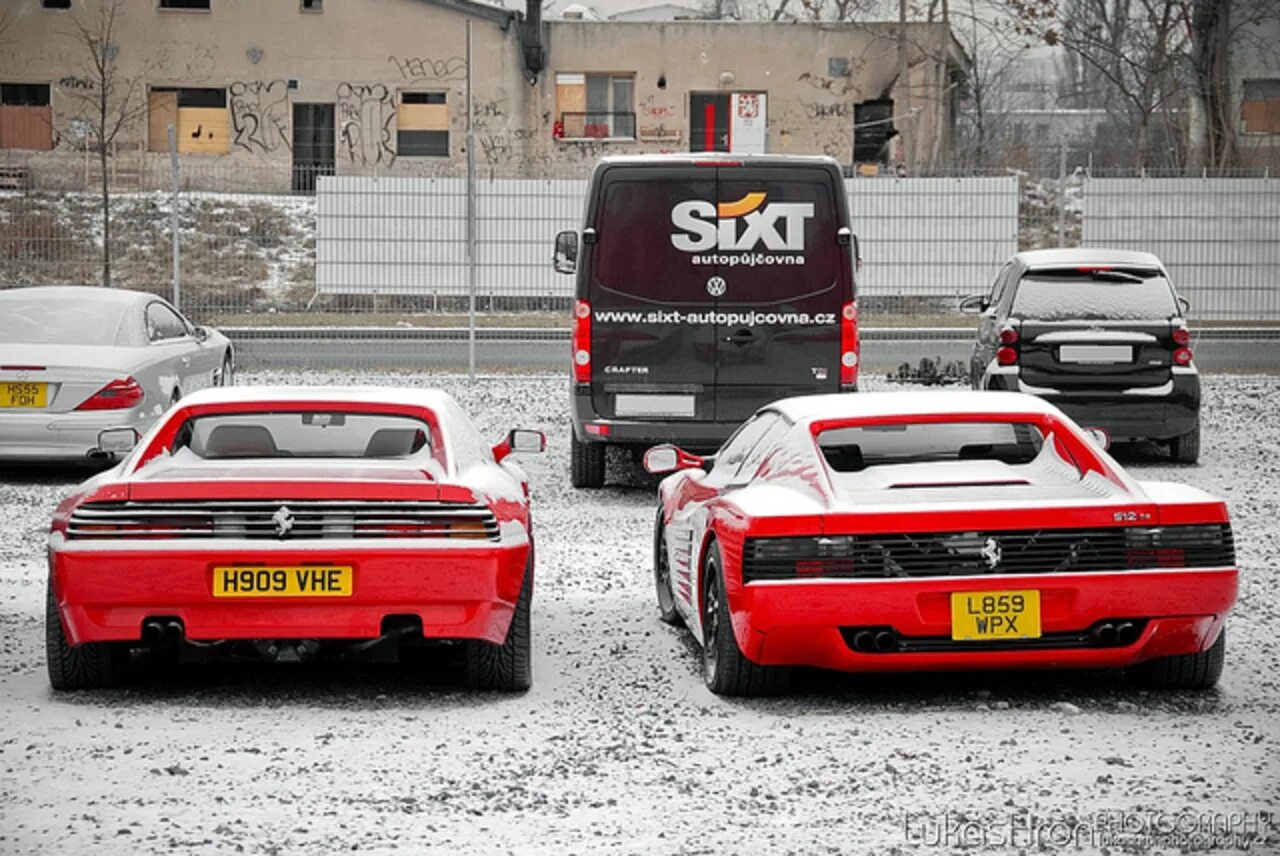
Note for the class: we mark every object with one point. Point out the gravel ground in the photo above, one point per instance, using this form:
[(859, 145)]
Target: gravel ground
[(618, 747)]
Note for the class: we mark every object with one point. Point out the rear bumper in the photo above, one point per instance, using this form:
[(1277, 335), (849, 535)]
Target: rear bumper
[(458, 593), (798, 623), (40, 436), (1159, 413), (692, 435)]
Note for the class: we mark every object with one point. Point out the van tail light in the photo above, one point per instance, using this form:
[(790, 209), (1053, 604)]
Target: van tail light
[(1182, 357), (120, 394), (849, 344), (1007, 353), (582, 341)]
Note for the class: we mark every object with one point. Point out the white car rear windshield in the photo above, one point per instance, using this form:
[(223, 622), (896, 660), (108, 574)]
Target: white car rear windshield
[(48, 322), (305, 435)]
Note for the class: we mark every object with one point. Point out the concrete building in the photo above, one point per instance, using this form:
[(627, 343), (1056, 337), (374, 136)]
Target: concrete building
[(266, 94)]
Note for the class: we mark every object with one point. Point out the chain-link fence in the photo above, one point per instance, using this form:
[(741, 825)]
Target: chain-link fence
[(387, 251)]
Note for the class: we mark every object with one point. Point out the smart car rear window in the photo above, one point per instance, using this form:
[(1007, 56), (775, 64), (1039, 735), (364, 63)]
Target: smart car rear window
[(1122, 294), (312, 434)]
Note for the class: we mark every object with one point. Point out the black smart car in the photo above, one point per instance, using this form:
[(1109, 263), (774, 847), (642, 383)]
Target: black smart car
[(1100, 333)]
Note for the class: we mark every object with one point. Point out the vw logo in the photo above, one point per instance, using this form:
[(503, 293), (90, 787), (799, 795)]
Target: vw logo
[(716, 286), (991, 552), (283, 519)]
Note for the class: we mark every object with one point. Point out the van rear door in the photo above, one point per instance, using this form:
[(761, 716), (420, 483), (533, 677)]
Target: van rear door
[(784, 278), (651, 356)]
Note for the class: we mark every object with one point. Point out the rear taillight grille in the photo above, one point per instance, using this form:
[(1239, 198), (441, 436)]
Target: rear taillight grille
[(281, 520), (1043, 551), (582, 341)]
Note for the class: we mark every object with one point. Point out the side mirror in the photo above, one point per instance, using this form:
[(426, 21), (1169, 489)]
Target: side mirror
[(1099, 436), (566, 257), (667, 459), (200, 332), (974, 304), (117, 440), (520, 440)]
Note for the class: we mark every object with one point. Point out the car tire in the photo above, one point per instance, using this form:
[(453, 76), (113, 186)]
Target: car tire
[(725, 669), (1186, 448), (226, 377), (586, 463), (1198, 671), (662, 574), (507, 667), (93, 665)]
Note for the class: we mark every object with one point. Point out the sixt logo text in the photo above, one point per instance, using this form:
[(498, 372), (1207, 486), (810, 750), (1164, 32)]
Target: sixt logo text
[(740, 225)]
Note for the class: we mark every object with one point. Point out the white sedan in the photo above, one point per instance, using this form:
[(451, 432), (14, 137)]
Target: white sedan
[(78, 360)]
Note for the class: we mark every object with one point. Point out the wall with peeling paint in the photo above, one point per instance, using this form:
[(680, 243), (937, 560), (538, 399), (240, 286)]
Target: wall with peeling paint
[(270, 56)]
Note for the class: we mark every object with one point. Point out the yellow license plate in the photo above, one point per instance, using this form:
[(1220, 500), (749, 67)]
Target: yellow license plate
[(24, 394), (274, 581), (984, 615)]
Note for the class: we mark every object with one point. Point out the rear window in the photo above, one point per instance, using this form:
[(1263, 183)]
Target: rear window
[(33, 321), (332, 434), (857, 448), (1116, 294), (771, 239)]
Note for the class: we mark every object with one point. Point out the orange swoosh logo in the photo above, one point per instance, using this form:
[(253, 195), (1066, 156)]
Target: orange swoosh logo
[(745, 205)]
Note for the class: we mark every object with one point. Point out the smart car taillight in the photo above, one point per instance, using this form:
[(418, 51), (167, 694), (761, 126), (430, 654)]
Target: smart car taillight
[(1007, 353), (1009, 336), (582, 341), (1007, 356), (849, 344), (120, 394), (1182, 357), (1181, 337)]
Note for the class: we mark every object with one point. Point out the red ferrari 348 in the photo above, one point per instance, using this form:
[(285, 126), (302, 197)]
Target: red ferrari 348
[(913, 531), (292, 523)]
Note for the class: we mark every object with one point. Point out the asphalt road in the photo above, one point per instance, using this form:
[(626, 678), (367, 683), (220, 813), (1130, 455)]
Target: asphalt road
[(417, 350)]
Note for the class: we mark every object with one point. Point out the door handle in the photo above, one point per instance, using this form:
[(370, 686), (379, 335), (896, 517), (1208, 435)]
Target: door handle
[(741, 337)]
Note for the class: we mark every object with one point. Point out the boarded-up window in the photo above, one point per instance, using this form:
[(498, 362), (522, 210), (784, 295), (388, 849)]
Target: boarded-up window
[(595, 106), (184, 4), (26, 119), (1260, 109), (422, 125), (56, 4), (200, 116)]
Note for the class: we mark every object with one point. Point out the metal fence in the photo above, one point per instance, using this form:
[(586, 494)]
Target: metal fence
[(392, 251)]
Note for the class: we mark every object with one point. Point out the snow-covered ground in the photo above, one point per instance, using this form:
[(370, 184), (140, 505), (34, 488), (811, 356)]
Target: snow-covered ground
[(618, 747)]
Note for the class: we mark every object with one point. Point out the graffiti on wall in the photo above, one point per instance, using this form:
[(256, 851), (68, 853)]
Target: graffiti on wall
[(422, 68), (260, 115), (367, 123)]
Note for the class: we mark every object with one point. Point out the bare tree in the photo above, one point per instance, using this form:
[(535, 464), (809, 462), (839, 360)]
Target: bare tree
[(111, 103)]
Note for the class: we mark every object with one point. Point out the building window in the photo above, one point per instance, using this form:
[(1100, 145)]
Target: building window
[(184, 4), (422, 125), (595, 106), (313, 5), (26, 120), (1260, 109), (56, 4), (199, 115)]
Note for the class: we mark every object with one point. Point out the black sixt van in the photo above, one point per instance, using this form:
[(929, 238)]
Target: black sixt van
[(707, 286)]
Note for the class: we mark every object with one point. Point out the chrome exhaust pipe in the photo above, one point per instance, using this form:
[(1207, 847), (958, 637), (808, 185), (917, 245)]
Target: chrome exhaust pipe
[(153, 630), (174, 630), (1105, 634), (1126, 633), (864, 641), (886, 641)]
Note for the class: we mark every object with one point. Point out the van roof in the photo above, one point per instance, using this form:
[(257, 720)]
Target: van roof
[(709, 158)]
